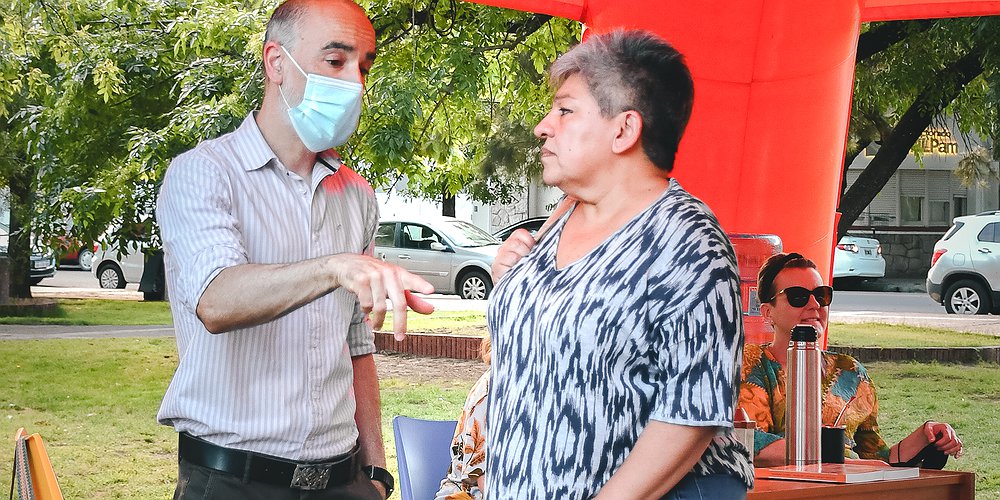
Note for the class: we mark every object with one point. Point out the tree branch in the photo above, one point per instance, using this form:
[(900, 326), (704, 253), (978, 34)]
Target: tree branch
[(886, 35), (521, 31), (389, 30), (946, 85)]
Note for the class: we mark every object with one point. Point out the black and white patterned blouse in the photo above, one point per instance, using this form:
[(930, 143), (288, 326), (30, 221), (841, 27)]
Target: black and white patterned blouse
[(647, 326)]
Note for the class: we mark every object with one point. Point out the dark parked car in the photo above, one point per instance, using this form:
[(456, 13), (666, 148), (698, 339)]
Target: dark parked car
[(531, 224), (43, 265)]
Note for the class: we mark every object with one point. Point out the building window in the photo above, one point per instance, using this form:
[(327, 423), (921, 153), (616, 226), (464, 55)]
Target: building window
[(961, 206), (940, 212), (911, 209)]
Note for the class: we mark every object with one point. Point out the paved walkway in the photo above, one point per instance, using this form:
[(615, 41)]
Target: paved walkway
[(35, 332)]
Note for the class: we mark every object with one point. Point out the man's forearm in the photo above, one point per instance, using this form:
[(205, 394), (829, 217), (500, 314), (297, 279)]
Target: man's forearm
[(252, 294), (368, 415)]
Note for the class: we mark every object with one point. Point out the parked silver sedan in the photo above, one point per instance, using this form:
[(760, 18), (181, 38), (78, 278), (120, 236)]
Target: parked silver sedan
[(115, 269), (453, 255)]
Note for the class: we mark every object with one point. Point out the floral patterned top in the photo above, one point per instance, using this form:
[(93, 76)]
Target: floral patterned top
[(762, 396), (468, 448)]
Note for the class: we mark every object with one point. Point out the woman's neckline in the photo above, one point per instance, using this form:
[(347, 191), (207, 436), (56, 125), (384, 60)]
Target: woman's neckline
[(671, 183)]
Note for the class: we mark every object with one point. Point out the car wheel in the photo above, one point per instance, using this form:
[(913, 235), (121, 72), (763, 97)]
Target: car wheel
[(475, 285), (110, 276), (85, 259), (967, 297)]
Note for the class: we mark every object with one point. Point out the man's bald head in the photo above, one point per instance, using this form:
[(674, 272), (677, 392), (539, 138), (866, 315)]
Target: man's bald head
[(285, 19)]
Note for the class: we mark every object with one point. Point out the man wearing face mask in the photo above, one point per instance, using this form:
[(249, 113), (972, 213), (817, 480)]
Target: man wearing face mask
[(268, 242)]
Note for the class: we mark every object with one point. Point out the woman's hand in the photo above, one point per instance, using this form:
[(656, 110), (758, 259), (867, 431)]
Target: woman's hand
[(513, 249), (943, 436)]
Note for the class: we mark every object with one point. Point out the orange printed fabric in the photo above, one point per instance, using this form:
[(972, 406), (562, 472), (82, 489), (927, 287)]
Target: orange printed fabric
[(468, 448), (762, 396)]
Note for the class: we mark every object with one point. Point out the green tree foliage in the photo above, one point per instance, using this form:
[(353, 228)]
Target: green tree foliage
[(913, 74), (457, 86), (97, 96)]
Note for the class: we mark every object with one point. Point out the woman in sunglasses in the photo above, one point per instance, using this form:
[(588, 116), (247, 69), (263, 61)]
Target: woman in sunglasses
[(792, 292)]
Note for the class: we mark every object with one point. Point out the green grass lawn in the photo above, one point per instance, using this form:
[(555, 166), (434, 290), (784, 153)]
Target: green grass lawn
[(874, 334), (472, 323), (967, 397), (94, 401), (99, 312)]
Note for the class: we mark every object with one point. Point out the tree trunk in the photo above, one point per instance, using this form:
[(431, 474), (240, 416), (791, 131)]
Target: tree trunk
[(946, 85), (849, 157), (19, 250), (448, 205)]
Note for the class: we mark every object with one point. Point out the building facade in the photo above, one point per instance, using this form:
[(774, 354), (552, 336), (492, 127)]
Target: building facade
[(915, 208)]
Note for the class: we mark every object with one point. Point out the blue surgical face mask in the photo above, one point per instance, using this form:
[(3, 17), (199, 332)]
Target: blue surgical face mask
[(328, 113)]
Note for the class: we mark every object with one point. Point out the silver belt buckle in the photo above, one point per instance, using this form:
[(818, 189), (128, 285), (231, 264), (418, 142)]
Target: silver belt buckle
[(311, 476)]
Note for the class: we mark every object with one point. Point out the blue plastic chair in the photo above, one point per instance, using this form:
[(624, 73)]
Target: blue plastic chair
[(423, 453)]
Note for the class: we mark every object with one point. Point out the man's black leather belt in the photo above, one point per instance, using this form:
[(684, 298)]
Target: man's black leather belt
[(267, 469)]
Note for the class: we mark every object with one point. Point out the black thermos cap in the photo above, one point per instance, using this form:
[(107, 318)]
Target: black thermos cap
[(804, 333)]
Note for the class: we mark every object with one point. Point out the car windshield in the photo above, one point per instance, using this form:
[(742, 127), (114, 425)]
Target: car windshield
[(466, 235)]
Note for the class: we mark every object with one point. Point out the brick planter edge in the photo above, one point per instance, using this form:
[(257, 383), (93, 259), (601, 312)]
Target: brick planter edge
[(430, 345), (965, 355)]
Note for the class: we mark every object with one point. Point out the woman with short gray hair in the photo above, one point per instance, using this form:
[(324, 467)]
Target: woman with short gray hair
[(618, 336)]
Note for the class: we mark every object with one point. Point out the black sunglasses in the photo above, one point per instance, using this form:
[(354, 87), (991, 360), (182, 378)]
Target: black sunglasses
[(799, 296)]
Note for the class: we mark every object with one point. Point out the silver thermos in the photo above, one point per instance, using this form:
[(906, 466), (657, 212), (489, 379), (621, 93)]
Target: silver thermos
[(802, 398)]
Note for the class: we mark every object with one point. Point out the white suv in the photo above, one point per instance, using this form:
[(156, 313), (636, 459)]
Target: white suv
[(965, 268)]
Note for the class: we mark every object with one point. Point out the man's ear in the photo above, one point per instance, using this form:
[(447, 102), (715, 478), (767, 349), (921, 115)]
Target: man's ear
[(629, 131), (273, 58)]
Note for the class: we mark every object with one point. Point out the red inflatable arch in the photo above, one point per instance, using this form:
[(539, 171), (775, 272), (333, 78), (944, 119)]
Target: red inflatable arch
[(773, 82)]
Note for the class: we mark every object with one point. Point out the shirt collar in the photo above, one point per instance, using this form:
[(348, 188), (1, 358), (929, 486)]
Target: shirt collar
[(257, 153)]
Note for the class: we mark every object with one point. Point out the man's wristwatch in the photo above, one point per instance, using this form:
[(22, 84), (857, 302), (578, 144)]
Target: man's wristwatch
[(381, 475)]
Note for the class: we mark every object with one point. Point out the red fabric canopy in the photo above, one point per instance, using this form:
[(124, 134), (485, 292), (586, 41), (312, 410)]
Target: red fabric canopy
[(773, 82)]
